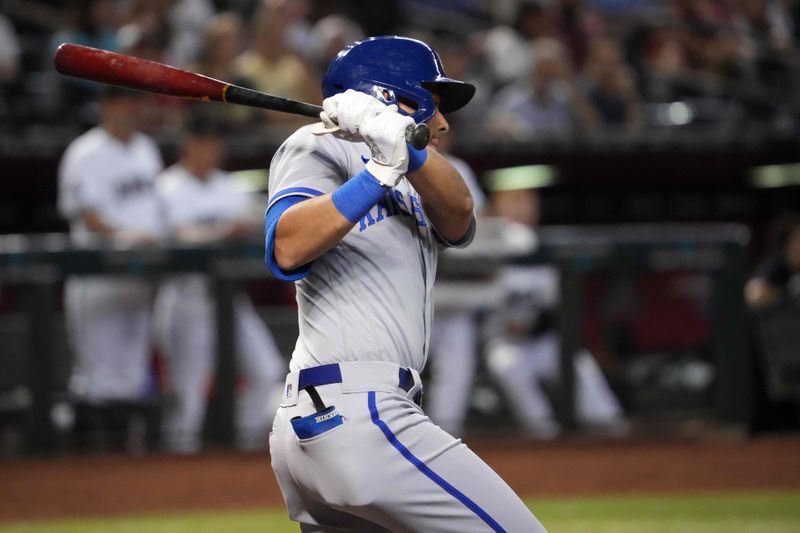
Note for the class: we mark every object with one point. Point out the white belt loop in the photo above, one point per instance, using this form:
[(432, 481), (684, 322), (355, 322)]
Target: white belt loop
[(289, 397), (412, 392)]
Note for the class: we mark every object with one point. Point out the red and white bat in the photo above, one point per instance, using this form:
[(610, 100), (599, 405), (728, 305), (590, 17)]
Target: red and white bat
[(136, 73)]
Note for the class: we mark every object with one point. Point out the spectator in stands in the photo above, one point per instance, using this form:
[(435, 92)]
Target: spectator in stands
[(143, 40), (545, 103), (9, 51), (507, 48), (9, 58), (663, 65), (713, 47), (768, 22), (106, 191), (187, 20), (523, 351), (777, 278), (177, 24), (150, 16), (202, 204), (163, 114), (222, 44), (578, 26), (297, 27), (462, 57), (270, 67), (91, 23), (766, 30), (330, 35), (609, 85)]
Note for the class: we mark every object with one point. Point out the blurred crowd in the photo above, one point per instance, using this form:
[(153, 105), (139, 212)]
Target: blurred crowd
[(546, 68)]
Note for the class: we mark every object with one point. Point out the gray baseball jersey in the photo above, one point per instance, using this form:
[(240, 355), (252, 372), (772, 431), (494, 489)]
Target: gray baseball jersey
[(370, 298), (372, 460)]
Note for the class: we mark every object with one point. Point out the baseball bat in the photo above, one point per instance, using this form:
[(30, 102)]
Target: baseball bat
[(131, 72)]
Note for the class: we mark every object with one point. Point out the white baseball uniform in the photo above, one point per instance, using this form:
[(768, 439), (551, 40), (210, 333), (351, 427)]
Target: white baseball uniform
[(362, 455), (454, 341), (185, 322), (522, 363), (109, 317)]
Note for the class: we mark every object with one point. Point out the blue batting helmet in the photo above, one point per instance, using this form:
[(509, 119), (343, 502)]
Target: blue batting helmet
[(394, 69)]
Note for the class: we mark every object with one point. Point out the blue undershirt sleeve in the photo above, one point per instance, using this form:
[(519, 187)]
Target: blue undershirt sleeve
[(270, 226)]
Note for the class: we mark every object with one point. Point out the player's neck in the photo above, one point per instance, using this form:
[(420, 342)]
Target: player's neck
[(201, 172), (120, 133)]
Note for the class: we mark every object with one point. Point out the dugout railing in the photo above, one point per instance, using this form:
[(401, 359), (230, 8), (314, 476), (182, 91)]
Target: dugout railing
[(39, 264)]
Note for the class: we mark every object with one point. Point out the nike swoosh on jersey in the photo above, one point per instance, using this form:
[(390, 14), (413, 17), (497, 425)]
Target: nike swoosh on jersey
[(365, 159)]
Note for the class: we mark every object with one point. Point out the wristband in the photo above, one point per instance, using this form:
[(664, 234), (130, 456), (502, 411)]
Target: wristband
[(357, 195), (416, 158)]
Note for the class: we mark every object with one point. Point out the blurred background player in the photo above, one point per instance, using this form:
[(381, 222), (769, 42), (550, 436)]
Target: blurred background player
[(106, 190), (773, 297), (203, 204), (523, 348), (454, 336), (777, 278)]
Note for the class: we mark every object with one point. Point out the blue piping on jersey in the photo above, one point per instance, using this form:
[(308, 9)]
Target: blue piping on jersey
[(425, 469), (274, 213), (293, 191)]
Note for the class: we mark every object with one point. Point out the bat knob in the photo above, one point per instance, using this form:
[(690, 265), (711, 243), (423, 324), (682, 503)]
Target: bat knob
[(418, 136)]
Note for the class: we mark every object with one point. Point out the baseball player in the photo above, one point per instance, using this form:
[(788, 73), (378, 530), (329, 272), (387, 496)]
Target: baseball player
[(202, 204), (106, 190), (454, 338), (356, 219), (523, 353)]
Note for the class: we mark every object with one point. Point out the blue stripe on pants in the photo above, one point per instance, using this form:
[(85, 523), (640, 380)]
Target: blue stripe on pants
[(425, 469)]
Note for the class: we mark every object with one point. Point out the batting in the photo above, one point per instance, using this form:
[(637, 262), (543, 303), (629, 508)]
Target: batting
[(356, 219)]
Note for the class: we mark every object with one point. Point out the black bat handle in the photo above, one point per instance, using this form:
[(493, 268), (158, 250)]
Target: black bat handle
[(417, 135)]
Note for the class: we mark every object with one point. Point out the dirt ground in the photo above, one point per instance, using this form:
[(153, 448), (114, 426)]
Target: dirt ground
[(113, 485)]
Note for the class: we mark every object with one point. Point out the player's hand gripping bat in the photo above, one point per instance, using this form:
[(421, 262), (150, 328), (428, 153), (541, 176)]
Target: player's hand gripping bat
[(136, 73)]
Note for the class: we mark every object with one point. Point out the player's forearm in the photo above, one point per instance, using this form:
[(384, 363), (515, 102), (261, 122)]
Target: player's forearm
[(445, 198), (307, 230)]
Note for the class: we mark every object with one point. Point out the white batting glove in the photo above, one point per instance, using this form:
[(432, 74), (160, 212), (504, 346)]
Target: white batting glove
[(385, 134), (348, 111)]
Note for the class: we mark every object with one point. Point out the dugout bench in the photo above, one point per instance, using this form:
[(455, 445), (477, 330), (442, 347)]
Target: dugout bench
[(39, 263)]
